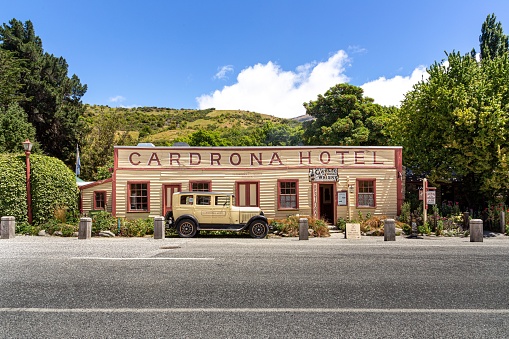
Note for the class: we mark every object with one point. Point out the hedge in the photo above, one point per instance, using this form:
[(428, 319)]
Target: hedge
[(53, 187)]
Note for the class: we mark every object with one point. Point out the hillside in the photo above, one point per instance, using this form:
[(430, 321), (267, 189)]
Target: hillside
[(162, 126)]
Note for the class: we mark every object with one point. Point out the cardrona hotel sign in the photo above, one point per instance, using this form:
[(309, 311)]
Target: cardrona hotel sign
[(252, 157)]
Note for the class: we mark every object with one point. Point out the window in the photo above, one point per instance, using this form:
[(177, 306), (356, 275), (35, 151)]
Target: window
[(222, 200), (203, 200), (138, 197), (99, 200), (288, 194), (200, 186), (186, 199), (366, 193)]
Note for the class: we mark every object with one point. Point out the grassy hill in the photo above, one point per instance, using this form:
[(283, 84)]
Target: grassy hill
[(162, 126)]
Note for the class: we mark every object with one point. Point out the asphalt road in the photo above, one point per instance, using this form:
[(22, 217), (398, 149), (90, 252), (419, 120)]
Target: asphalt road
[(238, 287)]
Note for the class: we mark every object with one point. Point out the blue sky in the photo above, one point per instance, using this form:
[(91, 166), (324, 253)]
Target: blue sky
[(263, 56)]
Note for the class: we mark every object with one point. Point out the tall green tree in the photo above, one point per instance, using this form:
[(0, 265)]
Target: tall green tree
[(51, 99), (492, 41), (100, 136), (10, 78), (14, 129), (343, 116), (454, 125)]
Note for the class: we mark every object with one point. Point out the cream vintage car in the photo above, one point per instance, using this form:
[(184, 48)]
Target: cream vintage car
[(210, 211)]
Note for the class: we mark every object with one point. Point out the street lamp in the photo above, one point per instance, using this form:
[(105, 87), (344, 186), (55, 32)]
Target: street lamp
[(27, 146)]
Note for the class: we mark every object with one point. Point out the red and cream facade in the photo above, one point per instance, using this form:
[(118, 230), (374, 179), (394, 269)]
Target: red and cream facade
[(327, 182)]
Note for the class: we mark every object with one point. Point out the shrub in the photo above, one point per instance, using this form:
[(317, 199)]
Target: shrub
[(104, 221), (290, 226), (138, 227), (53, 187), (341, 224)]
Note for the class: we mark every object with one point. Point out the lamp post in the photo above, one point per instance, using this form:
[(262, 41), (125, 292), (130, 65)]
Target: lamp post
[(27, 146)]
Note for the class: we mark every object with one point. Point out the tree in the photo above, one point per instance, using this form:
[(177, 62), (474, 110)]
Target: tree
[(454, 125), (101, 134), (345, 117), (14, 129), (50, 98), (492, 41), (10, 77)]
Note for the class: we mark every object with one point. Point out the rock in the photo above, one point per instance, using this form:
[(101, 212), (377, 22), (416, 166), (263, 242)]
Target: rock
[(57, 233), (41, 233), (106, 234), (75, 234)]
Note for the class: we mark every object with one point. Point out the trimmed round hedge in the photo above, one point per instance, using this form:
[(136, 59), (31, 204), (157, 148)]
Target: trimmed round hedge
[(53, 186)]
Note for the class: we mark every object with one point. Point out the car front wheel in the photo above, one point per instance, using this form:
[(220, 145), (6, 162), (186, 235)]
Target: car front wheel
[(186, 228), (258, 229)]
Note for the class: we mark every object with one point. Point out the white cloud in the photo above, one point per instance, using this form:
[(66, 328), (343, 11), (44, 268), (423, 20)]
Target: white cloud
[(221, 74), (390, 92), (118, 98), (266, 88)]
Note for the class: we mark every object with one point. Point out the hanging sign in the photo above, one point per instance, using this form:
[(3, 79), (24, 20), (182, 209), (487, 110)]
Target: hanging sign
[(323, 174)]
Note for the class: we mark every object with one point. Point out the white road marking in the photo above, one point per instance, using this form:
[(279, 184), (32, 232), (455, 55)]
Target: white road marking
[(157, 258), (254, 310)]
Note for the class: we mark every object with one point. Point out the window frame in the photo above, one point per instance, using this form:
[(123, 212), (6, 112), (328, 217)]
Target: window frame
[(94, 202), (279, 182), (358, 184), (208, 182), (129, 189)]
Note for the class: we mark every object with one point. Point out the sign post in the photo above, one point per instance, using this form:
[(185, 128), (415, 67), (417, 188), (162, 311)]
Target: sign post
[(425, 199)]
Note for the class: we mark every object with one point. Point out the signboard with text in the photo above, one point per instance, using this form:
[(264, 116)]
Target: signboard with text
[(323, 174)]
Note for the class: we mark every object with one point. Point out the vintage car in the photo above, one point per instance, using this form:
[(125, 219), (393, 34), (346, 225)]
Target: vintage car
[(211, 211)]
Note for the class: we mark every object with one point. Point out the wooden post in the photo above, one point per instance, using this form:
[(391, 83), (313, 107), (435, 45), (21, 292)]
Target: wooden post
[(465, 221), (389, 230), (303, 229), (8, 227), (85, 228), (502, 222), (159, 228), (476, 230)]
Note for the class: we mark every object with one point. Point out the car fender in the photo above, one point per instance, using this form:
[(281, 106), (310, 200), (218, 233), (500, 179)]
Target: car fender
[(186, 216), (256, 218)]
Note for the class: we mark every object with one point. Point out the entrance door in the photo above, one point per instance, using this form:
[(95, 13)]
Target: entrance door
[(326, 202), (168, 190)]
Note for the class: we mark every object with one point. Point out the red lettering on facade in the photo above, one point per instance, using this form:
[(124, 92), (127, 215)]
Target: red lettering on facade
[(214, 158), (325, 162), (342, 155), (191, 161), (257, 158), (374, 160), (359, 157), (131, 159), (239, 159), (155, 158), (275, 157), (301, 157), (174, 157)]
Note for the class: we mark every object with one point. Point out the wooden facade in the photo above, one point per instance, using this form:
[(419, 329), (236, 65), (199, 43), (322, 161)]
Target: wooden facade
[(326, 182)]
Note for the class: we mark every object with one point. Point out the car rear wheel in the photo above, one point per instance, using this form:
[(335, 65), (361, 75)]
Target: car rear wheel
[(186, 228), (258, 229)]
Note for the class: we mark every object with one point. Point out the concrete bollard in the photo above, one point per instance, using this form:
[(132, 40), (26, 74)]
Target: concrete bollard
[(159, 228), (85, 228), (389, 230), (476, 230), (303, 229), (8, 228)]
